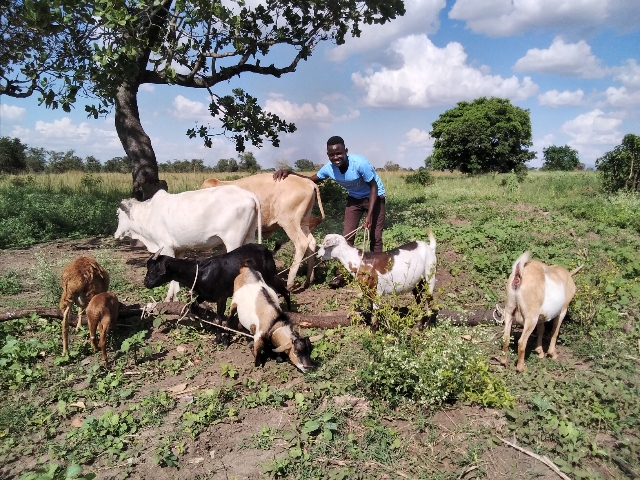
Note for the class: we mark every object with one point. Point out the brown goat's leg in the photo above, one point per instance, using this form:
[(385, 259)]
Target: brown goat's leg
[(540, 331), (79, 324), (556, 329), (65, 330), (105, 324), (529, 324), (93, 326)]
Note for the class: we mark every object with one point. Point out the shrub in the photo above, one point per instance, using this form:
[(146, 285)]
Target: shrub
[(431, 368), (421, 177)]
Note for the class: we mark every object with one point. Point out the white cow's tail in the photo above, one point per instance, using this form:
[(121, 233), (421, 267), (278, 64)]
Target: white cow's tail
[(259, 208)]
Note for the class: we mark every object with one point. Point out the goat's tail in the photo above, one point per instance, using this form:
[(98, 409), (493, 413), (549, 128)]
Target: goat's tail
[(575, 270), (432, 240), (517, 269)]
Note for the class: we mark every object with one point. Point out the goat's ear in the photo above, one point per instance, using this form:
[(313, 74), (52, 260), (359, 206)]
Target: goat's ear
[(283, 348)]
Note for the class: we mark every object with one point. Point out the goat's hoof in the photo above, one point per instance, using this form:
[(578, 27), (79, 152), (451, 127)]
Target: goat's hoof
[(503, 360), (553, 356), (521, 369)]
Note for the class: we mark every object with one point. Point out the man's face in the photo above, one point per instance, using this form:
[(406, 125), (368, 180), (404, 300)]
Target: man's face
[(337, 154)]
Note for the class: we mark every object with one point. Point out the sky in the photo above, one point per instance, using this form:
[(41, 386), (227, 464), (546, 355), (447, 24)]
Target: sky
[(574, 64)]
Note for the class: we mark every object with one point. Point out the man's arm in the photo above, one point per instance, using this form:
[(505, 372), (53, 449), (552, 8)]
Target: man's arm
[(282, 174), (373, 199)]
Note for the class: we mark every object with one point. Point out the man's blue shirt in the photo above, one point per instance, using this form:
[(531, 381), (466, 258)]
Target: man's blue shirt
[(355, 179)]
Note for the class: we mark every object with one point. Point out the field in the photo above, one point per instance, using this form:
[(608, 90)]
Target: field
[(396, 404)]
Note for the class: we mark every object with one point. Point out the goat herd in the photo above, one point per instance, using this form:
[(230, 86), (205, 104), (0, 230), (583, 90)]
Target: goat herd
[(171, 224)]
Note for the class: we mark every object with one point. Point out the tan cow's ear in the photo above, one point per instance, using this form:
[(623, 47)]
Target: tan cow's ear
[(282, 348)]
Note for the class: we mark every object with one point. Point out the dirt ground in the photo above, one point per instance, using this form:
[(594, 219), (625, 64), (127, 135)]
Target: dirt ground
[(225, 450)]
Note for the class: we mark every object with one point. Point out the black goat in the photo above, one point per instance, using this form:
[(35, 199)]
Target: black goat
[(216, 275)]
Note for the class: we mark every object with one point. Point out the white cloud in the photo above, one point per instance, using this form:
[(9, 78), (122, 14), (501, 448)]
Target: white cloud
[(621, 97), (568, 59), (147, 87), (185, 109), (421, 17), (293, 112), (99, 139), (418, 138), (628, 75), (507, 17), (593, 134), (554, 98), (11, 112), (432, 76)]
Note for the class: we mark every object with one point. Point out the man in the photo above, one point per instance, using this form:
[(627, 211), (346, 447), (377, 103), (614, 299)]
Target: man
[(366, 192)]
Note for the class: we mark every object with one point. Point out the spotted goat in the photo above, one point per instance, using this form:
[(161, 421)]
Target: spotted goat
[(410, 267)]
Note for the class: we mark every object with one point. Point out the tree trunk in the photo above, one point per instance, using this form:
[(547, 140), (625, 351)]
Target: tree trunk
[(137, 144)]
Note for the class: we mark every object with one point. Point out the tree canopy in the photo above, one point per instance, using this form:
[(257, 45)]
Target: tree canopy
[(486, 135), (62, 49), (620, 168), (13, 158), (560, 158), (304, 165)]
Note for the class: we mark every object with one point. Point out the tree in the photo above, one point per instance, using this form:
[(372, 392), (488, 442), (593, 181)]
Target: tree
[(92, 164), (36, 159), (391, 166), (12, 155), (304, 165), (107, 50), (282, 164), (560, 158), (428, 162), (60, 162), (486, 135), (222, 165), (117, 165), (248, 163), (620, 168)]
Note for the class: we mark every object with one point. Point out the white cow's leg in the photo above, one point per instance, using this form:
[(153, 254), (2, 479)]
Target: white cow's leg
[(174, 287)]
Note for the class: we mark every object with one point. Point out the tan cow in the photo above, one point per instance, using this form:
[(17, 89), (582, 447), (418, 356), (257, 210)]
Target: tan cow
[(287, 204)]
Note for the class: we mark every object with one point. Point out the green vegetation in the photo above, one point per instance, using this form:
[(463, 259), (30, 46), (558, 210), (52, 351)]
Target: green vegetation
[(620, 168), (486, 135), (560, 158), (428, 404)]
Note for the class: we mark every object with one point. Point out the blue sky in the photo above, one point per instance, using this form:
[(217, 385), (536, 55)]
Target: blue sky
[(575, 64)]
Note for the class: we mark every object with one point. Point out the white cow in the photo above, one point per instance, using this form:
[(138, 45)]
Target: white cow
[(193, 220)]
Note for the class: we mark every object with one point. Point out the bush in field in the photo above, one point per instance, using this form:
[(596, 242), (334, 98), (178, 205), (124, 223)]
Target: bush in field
[(391, 167), (304, 165), (421, 177), (486, 135), (620, 168), (431, 367), (560, 158)]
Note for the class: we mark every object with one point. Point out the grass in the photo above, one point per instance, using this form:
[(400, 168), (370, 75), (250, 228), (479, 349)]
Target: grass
[(428, 405)]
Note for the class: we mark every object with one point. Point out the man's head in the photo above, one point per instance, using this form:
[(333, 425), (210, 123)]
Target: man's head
[(336, 151)]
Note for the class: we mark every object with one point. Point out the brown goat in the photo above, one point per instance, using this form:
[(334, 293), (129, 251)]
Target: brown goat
[(82, 279), (102, 312)]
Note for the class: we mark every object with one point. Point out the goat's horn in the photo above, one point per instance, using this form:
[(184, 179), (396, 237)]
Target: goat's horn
[(157, 254), (282, 348)]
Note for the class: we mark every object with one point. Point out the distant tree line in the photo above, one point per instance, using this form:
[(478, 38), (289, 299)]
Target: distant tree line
[(16, 157)]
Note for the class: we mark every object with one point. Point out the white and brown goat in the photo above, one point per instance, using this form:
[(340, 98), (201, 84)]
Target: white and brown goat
[(82, 279), (410, 267), (260, 313), (102, 314), (536, 293)]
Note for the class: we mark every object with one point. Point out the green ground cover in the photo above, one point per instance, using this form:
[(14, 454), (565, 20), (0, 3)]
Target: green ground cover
[(581, 411)]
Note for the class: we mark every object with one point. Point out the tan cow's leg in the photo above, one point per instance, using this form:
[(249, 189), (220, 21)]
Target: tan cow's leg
[(301, 243)]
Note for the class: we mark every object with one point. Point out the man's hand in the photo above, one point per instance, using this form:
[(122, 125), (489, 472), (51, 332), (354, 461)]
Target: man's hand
[(367, 223), (281, 175)]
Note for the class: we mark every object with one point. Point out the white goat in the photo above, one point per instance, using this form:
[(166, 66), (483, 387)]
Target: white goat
[(536, 293)]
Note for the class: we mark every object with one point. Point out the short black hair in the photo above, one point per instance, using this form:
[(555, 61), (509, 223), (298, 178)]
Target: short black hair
[(335, 140)]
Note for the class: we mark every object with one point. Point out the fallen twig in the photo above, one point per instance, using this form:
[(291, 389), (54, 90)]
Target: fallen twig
[(542, 459)]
